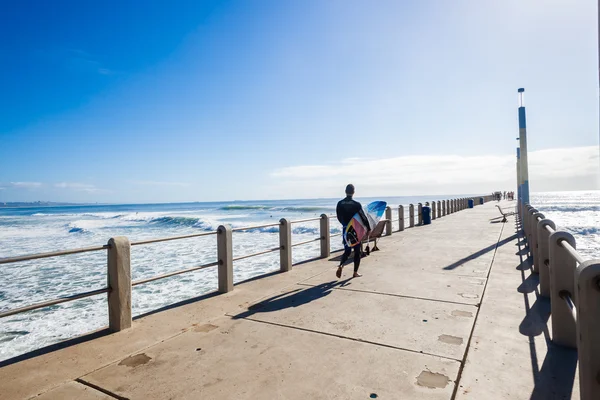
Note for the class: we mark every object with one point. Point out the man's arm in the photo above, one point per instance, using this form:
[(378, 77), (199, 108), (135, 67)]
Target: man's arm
[(337, 213)]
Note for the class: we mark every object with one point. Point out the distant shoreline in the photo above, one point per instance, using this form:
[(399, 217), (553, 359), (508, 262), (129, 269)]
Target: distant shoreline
[(23, 204)]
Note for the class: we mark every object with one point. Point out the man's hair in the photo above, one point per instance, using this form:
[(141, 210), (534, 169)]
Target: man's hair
[(350, 189)]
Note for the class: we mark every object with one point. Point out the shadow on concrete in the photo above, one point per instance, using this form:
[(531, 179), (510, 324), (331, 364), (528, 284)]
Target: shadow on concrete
[(55, 347), (555, 379), (557, 375), (536, 321), (479, 253), (295, 298), (530, 284), (190, 301)]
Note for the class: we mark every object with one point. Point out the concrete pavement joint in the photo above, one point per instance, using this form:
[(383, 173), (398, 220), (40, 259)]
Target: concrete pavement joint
[(350, 338), (487, 279), (398, 295)]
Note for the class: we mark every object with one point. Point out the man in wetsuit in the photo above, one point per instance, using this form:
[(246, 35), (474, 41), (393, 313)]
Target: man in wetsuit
[(345, 210)]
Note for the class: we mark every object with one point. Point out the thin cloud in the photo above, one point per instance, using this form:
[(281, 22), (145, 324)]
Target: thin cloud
[(562, 169), (80, 187), (80, 60), (27, 185), (161, 183)]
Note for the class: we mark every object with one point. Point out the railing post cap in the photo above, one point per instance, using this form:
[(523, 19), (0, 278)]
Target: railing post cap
[(118, 240), (558, 236), (547, 222), (223, 229), (589, 270)]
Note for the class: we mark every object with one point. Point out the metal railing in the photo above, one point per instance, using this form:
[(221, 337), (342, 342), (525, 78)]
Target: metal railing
[(118, 249), (573, 286)]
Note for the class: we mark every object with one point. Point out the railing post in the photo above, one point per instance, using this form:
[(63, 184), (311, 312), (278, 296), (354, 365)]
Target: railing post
[(388, 224), (562, 278), (587, 278), (119, 282), (411, 215), (531, 238), (439, 209), (535, 239), (225, 255), (443, 208), (524, 222), (433, 210), (325, 236), (420, 214), (401, 218), (285, 241), (544, 255)]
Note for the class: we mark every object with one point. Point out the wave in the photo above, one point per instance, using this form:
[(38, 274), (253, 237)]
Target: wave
[(191, 222), (278, 208), (570, 208), (240, 207), (308, 209), (95, 215), (77, 230), (584, 230)]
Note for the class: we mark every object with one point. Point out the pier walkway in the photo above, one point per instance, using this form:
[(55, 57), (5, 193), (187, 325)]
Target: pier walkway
[(449, 310)]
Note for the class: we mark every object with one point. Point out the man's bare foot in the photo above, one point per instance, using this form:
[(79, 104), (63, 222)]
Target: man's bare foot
[(338, 273), (356, 275)]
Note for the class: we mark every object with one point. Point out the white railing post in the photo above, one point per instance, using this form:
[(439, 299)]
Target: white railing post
[(587, 301), (388, 224), (562, 279), (433, 209), (225, 256), (420, 214), (119, 282), (411, 215), (401, 218), (285, 243), (325, 236), (524, 222), (535, 239), (531, 238), (544, 255)]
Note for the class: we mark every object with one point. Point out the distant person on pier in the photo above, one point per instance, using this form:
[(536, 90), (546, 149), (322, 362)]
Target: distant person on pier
[(345, 210)]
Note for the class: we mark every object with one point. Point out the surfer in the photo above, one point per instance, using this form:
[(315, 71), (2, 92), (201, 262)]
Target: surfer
[(345, 210)]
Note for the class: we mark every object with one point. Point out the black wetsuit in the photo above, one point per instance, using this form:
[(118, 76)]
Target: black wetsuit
[(345, 210)]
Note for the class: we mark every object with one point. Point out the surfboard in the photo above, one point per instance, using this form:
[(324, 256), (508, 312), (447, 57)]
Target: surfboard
[(356, 229)]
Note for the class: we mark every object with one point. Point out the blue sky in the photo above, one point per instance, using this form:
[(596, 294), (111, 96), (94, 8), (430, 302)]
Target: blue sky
[(222, 100)]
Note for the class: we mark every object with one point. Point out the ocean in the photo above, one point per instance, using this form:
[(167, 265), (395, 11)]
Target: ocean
[(42, 229)]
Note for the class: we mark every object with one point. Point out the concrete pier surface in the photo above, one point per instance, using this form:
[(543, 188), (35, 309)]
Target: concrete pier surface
[(449, 310)]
